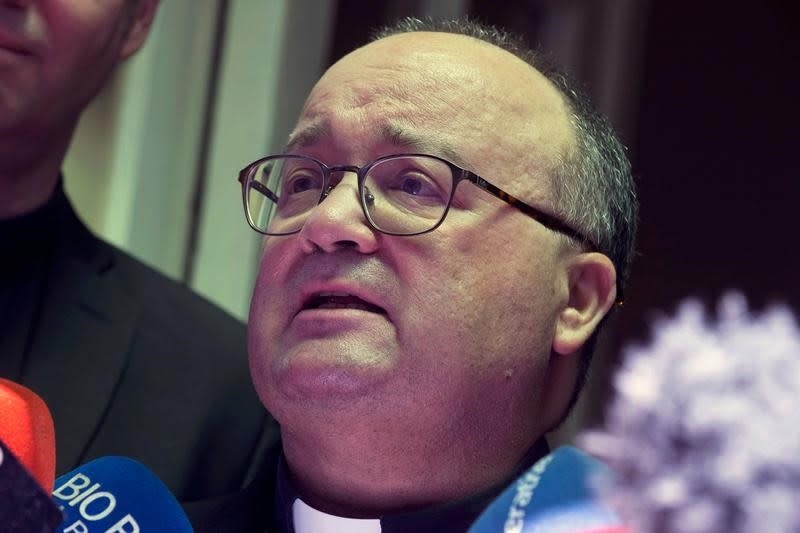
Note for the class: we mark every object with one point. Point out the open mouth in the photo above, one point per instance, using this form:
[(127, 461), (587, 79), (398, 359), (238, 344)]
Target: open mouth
[(11, 44), (340, 300)]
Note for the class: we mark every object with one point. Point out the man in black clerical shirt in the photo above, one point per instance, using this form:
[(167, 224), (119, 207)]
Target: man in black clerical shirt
[(446, 229), (129, 362)]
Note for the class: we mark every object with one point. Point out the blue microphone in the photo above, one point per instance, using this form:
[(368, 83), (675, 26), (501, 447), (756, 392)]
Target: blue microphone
[(117, 494), (555, 495)]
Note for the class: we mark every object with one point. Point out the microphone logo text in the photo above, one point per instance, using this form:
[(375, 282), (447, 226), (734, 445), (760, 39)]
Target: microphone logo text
[(93, 505)]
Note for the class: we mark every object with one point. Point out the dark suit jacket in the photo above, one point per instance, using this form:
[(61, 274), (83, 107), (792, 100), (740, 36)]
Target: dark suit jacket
[(250, 510), (132, 363)]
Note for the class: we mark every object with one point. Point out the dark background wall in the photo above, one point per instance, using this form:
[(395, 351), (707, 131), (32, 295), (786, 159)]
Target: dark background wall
[(715, 154), (706, 100)]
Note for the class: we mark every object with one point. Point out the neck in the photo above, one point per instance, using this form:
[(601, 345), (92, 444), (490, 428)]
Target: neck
[(393, 469), (29, 170)]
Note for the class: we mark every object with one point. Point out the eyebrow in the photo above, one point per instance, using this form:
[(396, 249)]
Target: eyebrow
[(308, 136), (391, 132), (395, 134)]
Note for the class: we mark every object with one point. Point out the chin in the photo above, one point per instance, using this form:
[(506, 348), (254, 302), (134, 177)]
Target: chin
[(309, 374)]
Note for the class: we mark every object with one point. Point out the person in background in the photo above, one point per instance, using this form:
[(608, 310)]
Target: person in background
[(129, 362), (446, 230)]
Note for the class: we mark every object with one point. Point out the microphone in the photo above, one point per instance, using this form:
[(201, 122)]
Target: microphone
[(704, 428), (554, 496), (24, 506), (26, 427), (115, 495)]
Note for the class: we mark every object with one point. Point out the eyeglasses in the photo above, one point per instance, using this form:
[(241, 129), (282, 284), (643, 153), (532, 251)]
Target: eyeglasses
[(406, 194)]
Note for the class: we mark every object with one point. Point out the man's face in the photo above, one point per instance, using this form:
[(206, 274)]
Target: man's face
[(457, 336), (54, 56)]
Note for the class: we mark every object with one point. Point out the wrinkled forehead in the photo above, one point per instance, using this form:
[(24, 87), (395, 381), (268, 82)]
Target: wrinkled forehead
[(459, 97)]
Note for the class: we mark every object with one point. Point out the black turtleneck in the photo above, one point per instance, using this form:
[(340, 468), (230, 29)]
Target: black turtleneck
[(26, 247)]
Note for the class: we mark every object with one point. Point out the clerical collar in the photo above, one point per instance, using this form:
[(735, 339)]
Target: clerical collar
[(306, 519), (453, 516)]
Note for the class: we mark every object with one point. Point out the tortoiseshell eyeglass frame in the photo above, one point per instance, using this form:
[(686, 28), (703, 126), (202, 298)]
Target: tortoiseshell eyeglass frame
[(458, 174)]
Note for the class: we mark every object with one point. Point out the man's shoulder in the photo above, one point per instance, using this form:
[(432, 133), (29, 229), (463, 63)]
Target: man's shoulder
[(161, 298), (171, 387), (171, 303)]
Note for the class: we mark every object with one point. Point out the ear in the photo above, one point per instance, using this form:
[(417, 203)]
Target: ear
[(144, 11), (592, 290)]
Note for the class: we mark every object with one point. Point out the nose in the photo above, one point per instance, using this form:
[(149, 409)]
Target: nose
[(338, 222)]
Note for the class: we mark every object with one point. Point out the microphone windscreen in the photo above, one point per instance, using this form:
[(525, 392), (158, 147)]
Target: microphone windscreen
[(24, 506), (26, 427), (554, 496), (115, 494)]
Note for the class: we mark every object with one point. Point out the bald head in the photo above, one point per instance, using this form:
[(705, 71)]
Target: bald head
[(447, 91)]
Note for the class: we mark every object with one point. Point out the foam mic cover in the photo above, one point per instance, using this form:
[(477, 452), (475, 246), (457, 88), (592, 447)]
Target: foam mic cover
[(554, 496), (116, 494), (24, 506), (26, 427)]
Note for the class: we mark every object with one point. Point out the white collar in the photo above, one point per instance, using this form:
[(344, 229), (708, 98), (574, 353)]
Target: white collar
[(309, 520)]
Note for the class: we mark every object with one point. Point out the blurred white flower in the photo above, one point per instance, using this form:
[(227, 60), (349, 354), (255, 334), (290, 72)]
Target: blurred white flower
[(704, 429)]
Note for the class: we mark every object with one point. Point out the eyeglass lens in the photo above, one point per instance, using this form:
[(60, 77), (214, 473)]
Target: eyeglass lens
[(401, 194)]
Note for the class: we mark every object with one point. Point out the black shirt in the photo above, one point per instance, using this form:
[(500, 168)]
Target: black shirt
[(26, 245), (455, 516)]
